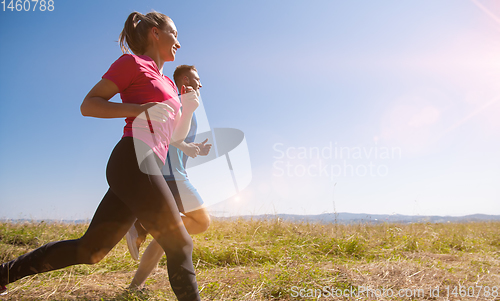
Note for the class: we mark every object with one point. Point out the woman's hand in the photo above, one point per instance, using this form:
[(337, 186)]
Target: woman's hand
[(156, 111), (189, 99)]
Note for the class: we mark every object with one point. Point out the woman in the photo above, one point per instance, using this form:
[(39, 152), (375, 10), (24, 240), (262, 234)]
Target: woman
[(196, 218), (137, 188)]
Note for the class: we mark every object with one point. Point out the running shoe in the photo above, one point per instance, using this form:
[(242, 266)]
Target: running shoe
[(131, 238), (3, 290)]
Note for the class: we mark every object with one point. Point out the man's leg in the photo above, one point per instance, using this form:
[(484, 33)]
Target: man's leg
[(196, 221), (190, 203)]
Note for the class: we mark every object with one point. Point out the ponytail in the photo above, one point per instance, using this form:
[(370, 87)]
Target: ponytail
[(134, 36)]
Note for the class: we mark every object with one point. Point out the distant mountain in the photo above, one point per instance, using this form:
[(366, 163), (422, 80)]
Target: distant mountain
[(342, 218), (350, 218), (63, 221)]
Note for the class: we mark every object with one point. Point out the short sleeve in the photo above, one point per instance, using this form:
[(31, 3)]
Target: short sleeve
[(172, 84), (122, 72)]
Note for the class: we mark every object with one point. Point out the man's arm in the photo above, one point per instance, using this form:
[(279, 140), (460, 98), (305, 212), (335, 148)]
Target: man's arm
[(204, 148)]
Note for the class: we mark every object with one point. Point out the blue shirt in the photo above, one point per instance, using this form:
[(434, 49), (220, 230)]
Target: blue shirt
[(175, 165)]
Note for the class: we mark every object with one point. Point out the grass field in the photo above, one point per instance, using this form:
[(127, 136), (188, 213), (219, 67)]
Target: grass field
[(268, 260)]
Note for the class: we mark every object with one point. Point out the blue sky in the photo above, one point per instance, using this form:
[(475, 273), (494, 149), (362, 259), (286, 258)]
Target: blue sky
[(418, 77)]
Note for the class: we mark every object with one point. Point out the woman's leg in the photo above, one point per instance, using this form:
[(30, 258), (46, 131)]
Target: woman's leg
[(110, 222), (132, 194), (147, 195), (195, 222)]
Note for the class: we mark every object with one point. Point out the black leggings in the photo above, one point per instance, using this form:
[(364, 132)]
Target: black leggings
[(132, 194)]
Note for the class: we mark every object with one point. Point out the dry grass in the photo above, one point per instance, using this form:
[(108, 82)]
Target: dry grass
[(267, 260)]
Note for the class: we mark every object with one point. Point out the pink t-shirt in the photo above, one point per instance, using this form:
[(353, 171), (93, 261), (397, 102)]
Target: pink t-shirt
[(139, 81)]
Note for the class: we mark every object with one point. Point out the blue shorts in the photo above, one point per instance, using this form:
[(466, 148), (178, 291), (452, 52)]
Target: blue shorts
[(186, 196)]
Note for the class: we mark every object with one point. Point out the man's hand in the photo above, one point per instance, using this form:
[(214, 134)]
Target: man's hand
[(190, 149), (204, 148)]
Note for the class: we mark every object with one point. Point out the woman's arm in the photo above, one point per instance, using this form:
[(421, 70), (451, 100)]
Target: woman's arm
[(182, 125), (189, 99), (97, 104)]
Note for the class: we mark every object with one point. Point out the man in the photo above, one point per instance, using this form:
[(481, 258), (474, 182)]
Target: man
[(196, 218)]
